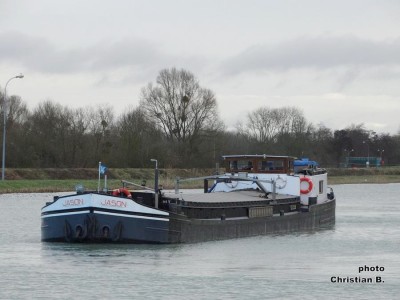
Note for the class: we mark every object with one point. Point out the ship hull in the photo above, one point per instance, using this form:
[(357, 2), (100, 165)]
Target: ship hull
[(102, 226), (93, 223), (320, 216)]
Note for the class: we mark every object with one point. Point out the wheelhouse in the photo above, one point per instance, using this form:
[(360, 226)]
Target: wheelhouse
[(267, 164)]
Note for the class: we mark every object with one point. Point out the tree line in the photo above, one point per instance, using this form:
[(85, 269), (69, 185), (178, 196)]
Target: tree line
[(177, 123)]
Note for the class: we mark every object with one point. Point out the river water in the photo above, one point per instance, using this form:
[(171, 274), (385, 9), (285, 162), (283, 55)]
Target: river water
[(291, 266)]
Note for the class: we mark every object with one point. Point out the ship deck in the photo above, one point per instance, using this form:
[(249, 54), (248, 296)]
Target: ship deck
[(229, 198)]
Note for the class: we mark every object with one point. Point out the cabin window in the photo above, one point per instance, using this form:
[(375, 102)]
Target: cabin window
[(321, 186), (270, 165), (241, 165)]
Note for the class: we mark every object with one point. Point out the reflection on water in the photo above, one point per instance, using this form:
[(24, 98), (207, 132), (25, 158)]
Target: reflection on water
[(367, 232)]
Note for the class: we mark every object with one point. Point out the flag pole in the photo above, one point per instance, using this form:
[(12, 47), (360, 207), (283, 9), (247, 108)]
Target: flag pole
[(98, 185)]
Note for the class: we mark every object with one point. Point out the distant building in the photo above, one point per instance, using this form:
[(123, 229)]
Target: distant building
[(361, 162)]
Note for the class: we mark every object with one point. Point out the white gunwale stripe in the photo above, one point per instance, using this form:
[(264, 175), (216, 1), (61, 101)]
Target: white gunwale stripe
[(130, 216), (67, 214), (104, 213)]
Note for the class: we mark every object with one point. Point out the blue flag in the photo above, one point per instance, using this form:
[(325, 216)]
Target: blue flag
[(102, 169)]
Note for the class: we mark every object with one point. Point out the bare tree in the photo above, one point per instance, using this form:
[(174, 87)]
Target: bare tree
[(262, 124), (49, 128), (17, 115), (137, 138), (179, 106), (182, 110), (79, 123), (17, 111), (267, 124), (101, 125)]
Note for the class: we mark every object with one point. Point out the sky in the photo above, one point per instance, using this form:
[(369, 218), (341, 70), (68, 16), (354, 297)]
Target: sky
[(338, 61)]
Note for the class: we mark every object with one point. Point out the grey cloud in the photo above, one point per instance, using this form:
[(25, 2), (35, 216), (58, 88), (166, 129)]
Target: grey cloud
[(131, 52), (40, 55), (318, 53)]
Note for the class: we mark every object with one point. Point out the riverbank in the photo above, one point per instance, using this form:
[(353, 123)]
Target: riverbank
[(65, 180)]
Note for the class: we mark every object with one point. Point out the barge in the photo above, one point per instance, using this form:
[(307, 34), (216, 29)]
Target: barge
[(258, 195)]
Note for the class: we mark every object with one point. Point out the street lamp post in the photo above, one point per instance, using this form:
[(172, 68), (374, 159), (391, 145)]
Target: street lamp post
[(155, 183), (3, 166), (366, 142), (347, 154), (381, 155)]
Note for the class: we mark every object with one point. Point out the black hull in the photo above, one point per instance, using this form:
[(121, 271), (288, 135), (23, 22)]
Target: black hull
[(321, 216), (97, 227), (106, 226)]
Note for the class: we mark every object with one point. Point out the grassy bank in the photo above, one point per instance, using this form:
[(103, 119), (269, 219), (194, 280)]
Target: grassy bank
[(332, 180), (63, 180), (60, 180), (364, 175)]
